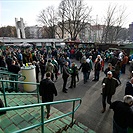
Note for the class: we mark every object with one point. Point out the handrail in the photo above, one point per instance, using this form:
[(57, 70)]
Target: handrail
[(12, 74), (20, 82), (42, 123), (4, 68)]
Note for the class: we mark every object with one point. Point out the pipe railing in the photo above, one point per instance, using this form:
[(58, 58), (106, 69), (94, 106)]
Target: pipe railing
[(43, 122), (4, 93)]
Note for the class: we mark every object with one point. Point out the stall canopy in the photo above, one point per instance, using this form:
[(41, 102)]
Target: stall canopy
[(24, 44)]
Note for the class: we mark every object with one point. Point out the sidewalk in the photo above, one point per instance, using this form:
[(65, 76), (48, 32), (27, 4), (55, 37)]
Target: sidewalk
[(89, 113)]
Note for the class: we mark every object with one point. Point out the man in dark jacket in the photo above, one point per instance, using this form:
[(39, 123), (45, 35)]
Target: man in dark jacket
[(109, 88), (74, 71), (42, 68), (85, 69), (129, 87), (97, 69), (14, 69), (123, 114), (47, 90), (65, 75)]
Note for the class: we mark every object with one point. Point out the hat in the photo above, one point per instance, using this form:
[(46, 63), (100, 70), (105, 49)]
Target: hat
[(109, 72)]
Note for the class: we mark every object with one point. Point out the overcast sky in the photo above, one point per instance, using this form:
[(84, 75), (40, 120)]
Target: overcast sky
[(29, 9)]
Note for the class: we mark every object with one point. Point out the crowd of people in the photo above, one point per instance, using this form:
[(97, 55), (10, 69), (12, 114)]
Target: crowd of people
[(58, 61)]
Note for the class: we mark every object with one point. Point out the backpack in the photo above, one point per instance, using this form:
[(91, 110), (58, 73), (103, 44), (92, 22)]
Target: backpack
[(1, 106)]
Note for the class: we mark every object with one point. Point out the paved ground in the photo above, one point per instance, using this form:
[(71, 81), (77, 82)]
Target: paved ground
[(89, 113)]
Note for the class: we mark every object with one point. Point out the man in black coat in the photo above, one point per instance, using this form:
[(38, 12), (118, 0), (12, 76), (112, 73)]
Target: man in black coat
[(13, 68), (65, 75), (129, 87), (108, 89), (85, 69), (47, 90), (97, 69), (123, 114), (74, 70)]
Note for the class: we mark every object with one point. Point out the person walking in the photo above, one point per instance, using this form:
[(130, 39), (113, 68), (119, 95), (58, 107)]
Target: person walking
[(109, 87), (47, 90), (123, 114)]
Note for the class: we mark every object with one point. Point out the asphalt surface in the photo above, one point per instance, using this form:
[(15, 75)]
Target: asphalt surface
[(89, 112)]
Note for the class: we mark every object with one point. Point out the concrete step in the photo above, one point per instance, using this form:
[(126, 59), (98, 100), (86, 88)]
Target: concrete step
[(18, 119)]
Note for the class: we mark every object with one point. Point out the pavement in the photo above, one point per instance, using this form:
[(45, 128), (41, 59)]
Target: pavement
[(89, 112)]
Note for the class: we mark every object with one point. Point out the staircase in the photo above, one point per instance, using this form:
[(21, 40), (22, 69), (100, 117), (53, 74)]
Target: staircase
[(18, 119)]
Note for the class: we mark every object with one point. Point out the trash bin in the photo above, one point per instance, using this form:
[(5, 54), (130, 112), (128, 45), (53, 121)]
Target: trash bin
[(30, 74)]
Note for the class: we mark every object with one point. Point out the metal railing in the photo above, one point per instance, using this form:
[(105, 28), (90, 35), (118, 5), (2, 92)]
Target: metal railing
[(6, 75), (4, 68), (41, 105), (4, 93), (3, 72), (43, 122)]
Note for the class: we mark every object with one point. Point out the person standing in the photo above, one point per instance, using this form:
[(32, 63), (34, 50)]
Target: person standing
[(89, 60), (73, 75), (65, 76), (109, 68), (13, 68), (37, 69), (131, 68), (129, 87), (55, 63), (42, 68), (85, 68), (47, 90), (97, 69), (109, 87), (50, 68), (117, 71), (124, 63), (123, 114)]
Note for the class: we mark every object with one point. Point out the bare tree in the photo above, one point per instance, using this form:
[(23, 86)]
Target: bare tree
[(113, 23), (48, 18), (74, 16)]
